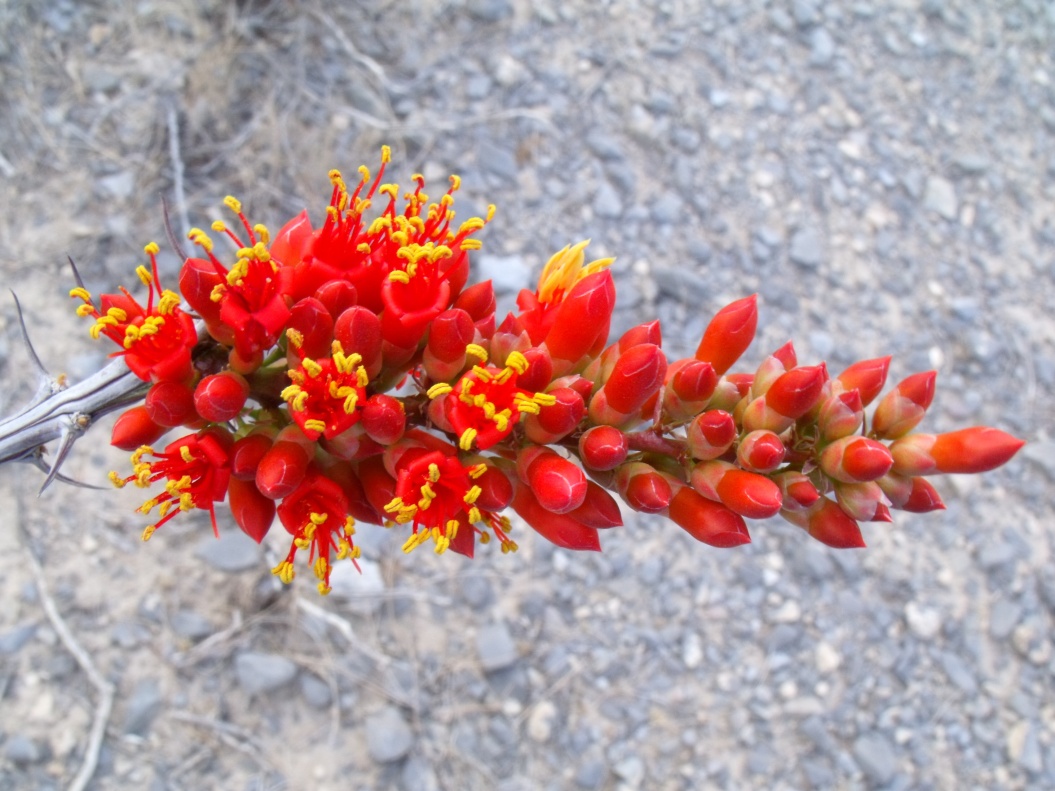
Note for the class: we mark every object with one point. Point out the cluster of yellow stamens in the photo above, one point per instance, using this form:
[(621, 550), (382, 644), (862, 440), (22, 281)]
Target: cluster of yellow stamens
[(566, 268)]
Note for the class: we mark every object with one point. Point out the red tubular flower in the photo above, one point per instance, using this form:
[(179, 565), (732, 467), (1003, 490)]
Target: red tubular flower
[(135, 428), (316, 515), (197, 471), (729, 334), (969, 450), (252, 511), (903, 408), (251, 294), (856, 459), (603, 447), (327, 395), (865, 376), (707, 521), (438, 496), (156, 340), (563, 530), (485, 404)]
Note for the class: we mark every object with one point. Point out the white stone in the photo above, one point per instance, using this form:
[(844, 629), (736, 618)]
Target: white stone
[(924, 622)]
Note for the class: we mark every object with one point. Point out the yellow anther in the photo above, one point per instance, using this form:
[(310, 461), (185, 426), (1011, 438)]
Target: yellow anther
[(482, 373), (474, 515), (476, 350), (233, 204), (164, 508), (313, 368), (362, 377), (438, 389), (335, 178), (395, 504), (261, 253), (471, 495), (299, 402), (544, 399), (116, 479), (169, 301), (427, 492), (363, 248), (470, 225), (472, 244), (200, 238), (186, 501), (391, 190), (315, 425), (410, 544), (219, 226), (491, 208), (456, 182), (452, 528), (261, 230), (318, 519), (85, 310), (518, 362), (386, 154), (151, 248), (324, 589), (80, 293), (485, 538), (477, 470), (351, 401), (399, 276), (148, 531), (290, 392), (465, 441), (503, 376), (502, 420), (185, 454), (296, 337), (284, 571), (332, 213), (140, 452), (321, 567), (144, 275), (434, 472), (217, 292)]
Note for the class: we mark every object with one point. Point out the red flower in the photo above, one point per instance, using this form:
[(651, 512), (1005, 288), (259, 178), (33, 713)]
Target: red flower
[(485, 404), (196, 469), (327, 395), (436, 495), (158, 339), (251, 295), (316, 515)]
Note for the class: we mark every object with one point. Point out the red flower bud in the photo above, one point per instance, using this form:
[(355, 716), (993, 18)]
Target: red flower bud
[(841, 415), (642, 333), (384, 419), (867, 377), (252, 511), (599, 509), (221, 397), (309, 331), (247, 454), (693, 380), (830, 525), (134, 428), (359, 331), (856, 459), (539, 374), (864, 502), (556, 421), (786, 355), (558, 484), (729, 334), (563, 530), (796, 489), (479, 302), (337, 296), (170, 404), (794, 393), (708, 521), (282, 469), (603, 447), (761, 451), (903, 408), (293, 241), (711, 434), (496, 490), (582, 318), (643, 488), (638, 374), (449, 334), (969, 450), (749, 494)]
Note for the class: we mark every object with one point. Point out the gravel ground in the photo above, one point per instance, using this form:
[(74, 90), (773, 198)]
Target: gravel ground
[(880, 172)]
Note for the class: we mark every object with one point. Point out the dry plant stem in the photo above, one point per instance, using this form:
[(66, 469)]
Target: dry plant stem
[(104, 705), (230, 735)]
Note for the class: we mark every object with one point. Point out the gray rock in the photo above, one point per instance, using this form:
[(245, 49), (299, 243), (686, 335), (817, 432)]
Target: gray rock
[(259, 672), (508, 273), (940, 196), (22, 751), (490, 10), (129, 634), (495, 647), (806, 248), (1041, 454), (606, 202), (876, 757), (418, 775), (233, 551), (1003, 618), (361, 589), (12, 640), (477, 591), (970, 163), (958, 672), (315, 691), (822, 47), (144, 704), (118, 185), (603, 145), (631, 770), (668, 208), (804, 13), (190, 625), (591, 773), (388, 737)]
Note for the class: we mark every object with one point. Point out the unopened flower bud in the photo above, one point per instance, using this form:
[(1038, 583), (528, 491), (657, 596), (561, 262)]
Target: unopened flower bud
[(903, 408), (841, 415), (829, 524), (864, 502), (599, 509), (710, 434), (761, 451), (221, 397), (707, 521), (384, 419), (558, 483), (134, 428), (309, 330), (557, 420), (247, 454), (643, 488), (282, 469), (637, 375), (562, 530), (359, 331), (478, 301), (337, 296), (914, 494), (747, 493), (856, 459), (603, 447), (252, 511), (797, 490), (729, 334), (865, 376), (969, 450), (170, 404)]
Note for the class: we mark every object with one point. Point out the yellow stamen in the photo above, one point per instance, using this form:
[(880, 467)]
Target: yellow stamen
[(477, 351), (465, 441), (284, 571), (315, 425), (438, 389)]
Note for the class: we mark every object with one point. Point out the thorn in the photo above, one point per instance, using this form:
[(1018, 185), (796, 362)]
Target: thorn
[(41, 370), (68, 438), (169, 232), (76, 274)]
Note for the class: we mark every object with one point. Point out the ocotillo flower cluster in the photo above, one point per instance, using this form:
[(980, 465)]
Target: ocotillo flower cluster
[(347, 372)]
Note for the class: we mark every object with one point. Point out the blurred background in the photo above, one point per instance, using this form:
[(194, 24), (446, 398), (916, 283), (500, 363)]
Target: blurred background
[(881, 173)]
